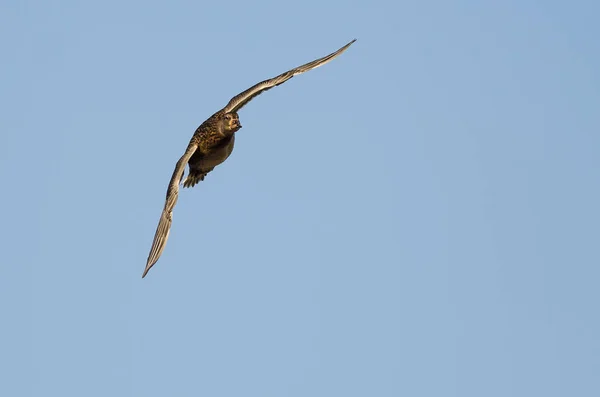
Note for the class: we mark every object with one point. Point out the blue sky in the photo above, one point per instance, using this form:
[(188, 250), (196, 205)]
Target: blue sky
[(418, 217)]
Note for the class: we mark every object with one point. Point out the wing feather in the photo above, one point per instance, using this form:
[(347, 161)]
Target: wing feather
[(166, 218), (240, 100)]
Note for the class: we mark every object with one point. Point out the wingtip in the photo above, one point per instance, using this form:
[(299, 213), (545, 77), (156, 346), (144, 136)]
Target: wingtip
[(146, 271), (349, 44)]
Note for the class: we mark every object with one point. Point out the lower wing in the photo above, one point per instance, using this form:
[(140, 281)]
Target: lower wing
[(166, 218)]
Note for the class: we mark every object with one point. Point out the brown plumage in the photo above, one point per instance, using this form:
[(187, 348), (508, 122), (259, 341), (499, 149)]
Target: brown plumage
[(211, 144)]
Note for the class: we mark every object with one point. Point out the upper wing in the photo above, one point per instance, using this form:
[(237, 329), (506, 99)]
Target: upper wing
[(242, 99), (166, 218)]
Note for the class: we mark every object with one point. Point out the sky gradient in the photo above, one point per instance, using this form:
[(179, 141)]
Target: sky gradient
[(418, 217)]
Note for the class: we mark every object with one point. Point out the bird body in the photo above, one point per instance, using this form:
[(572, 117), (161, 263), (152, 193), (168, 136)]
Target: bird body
[(211, 144), (215, 139)]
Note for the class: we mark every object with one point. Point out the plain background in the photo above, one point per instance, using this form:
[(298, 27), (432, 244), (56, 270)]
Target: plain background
[(418, 217)]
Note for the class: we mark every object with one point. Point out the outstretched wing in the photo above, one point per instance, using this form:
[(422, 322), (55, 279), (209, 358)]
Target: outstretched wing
[(166, 218), (242, 99)]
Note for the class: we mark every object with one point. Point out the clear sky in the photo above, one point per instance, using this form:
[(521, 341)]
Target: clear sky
[(418, 217)]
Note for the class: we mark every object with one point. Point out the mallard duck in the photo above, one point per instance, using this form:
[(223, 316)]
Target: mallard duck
[(212, 144)]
